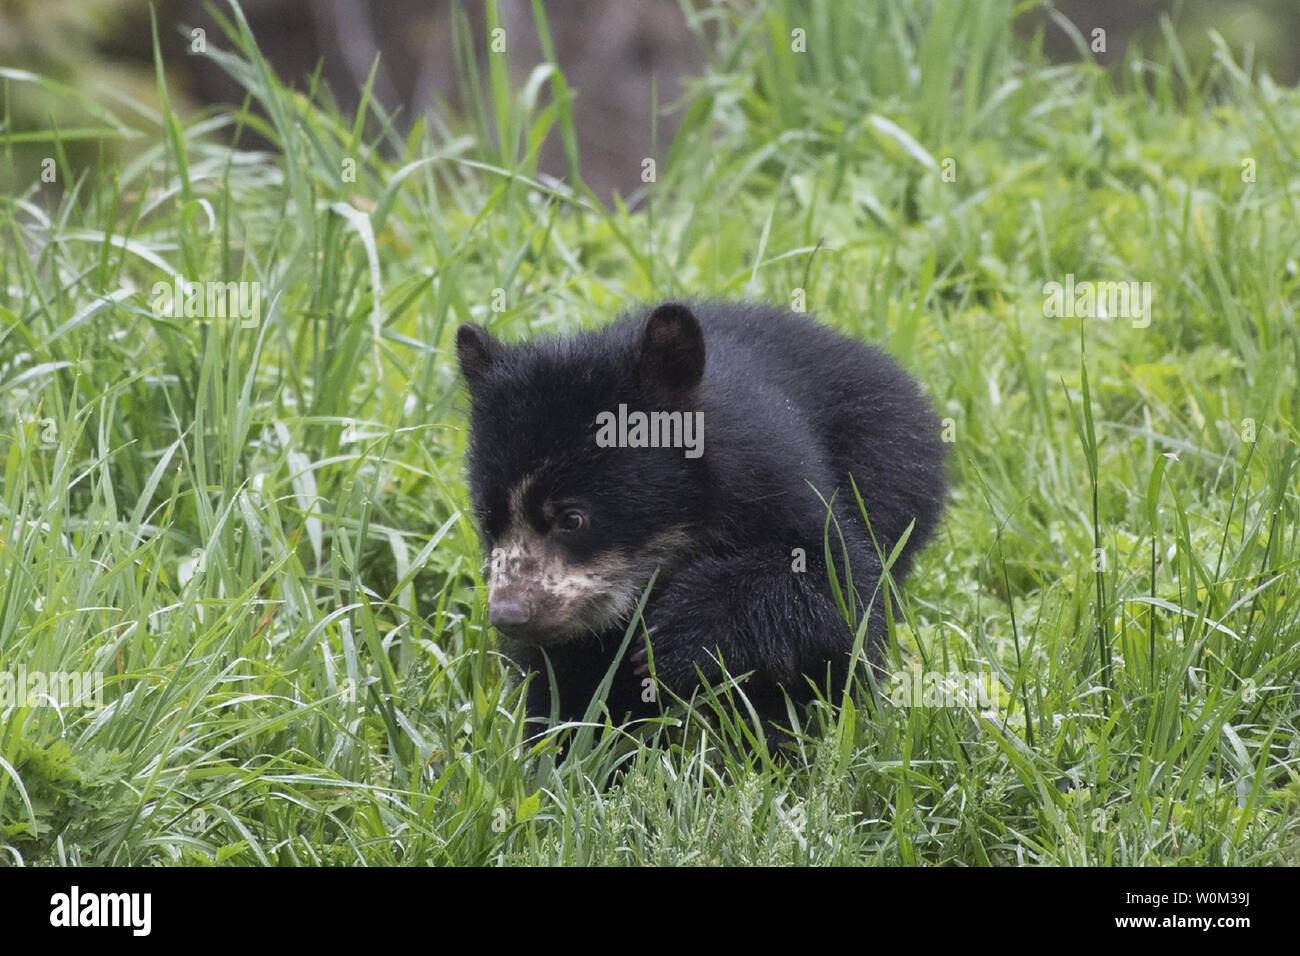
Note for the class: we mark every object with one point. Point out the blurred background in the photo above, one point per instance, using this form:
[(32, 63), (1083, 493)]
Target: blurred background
[(621, 57)]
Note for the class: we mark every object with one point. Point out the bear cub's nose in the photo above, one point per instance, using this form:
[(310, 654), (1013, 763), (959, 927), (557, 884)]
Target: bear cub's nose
[(507, 613)]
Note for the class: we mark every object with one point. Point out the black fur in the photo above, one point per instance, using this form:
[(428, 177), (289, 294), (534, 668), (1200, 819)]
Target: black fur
[(788, 406)]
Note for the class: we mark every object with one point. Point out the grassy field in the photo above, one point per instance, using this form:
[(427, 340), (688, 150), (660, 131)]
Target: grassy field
[(254, 528)]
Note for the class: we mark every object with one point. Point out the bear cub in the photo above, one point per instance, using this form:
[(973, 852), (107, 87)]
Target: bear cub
[(704, 440)]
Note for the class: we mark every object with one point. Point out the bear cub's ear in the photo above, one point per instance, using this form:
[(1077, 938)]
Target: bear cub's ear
[(672, 348), (477, 351)]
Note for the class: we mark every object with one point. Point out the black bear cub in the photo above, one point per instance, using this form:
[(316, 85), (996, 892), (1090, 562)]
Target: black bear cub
[(703, 440)]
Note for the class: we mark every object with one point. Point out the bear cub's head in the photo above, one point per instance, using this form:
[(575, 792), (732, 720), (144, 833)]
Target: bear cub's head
[(586, 468)]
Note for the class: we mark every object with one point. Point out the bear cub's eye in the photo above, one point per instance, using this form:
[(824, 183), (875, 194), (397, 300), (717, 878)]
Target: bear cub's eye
[(570, 520)]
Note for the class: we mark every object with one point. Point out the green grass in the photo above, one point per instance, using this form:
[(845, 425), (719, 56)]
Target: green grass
[(258, 535)]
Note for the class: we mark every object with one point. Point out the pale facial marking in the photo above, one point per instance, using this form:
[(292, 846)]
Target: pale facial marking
[(518, 518), (563, 598), (566, 599)]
